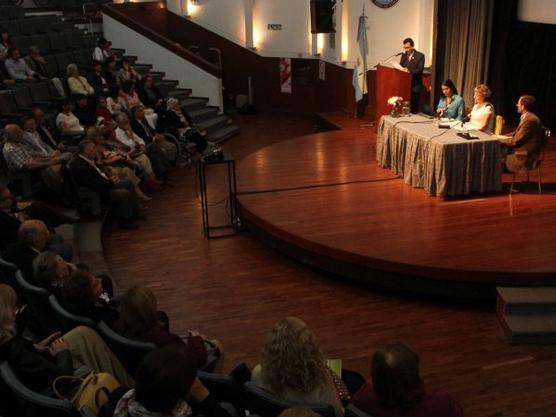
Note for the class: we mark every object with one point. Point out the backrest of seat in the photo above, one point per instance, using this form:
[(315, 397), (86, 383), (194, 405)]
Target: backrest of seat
[(23, 43), (31, 402), (223, 387), (67, 319), (63, 60), (130, 352), (41, 42), (23, 98), (7, 102), (11, 26), (266, 404), (37, 298), (353, 411), (57, 41), (40, 92)]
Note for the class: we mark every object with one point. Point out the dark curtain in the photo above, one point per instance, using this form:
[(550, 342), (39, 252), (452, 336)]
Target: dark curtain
[(531, 69)]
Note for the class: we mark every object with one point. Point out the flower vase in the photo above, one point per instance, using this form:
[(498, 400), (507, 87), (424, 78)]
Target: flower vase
[(395, 111)]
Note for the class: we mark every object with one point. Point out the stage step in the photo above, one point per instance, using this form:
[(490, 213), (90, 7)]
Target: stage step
[(528, 314), (194, 103), (223, 134), (203, 114), (214, 124), (526, 300)]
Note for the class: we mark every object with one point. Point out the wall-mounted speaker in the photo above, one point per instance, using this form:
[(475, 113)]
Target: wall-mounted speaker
[(322, 12)]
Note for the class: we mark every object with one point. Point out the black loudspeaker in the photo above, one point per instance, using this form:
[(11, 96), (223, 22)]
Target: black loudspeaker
[(321, 16)]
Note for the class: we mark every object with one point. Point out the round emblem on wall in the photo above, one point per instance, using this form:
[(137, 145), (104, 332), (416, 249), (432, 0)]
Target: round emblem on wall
[(384, 3)]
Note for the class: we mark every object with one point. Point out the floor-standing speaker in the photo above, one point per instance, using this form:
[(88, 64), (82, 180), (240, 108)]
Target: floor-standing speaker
[(321, 16)]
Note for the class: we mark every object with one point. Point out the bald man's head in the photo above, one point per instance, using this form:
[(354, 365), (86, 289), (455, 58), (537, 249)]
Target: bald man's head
[(13, 133), (33, 233)]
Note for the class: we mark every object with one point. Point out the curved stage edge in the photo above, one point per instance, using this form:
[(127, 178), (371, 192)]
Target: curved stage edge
[(322, 200)]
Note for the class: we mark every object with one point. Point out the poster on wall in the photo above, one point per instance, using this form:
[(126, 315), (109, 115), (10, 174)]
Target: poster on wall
[(286, 75)]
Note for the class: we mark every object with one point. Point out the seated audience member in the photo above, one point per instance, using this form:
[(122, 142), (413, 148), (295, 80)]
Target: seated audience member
[(77, 83), (482, 114), (36, 61), (110, 71), (45, 130), (166, 385), (293, 369), (66, 122), (96, 78), (525, 143), (34, 142), (150, 95), (128, 73), (115, 163), (143, 129), (19, 159), (37, 365), (102, 51), (398, 390), (84, 111), (32, 238), (5, 43), (132, 99), (103, 113), (51, 272), (115, 101), (17, 67), (175, 122), (136, 148), (120, 193), (138, 319), (13, 214), (83, 294), (451, 104)]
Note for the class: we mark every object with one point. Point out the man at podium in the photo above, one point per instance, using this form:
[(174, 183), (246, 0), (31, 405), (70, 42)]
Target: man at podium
[(413, 62)]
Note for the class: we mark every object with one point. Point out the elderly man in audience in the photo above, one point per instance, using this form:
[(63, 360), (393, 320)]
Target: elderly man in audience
[(77, 83), (19, 158), (50, 272), (36, 146), (137, 150), (37, 63), (18, 69), (45, 130), (168, 150), (33, 238), (119, 192), (13, 213)]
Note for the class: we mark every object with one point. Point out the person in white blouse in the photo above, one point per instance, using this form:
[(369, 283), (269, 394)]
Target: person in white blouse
[(482, 114), (102, 50), (76, 83), (66, 122), (136, 150)]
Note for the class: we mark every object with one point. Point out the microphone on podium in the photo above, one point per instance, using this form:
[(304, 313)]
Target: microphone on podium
[(391, 56)]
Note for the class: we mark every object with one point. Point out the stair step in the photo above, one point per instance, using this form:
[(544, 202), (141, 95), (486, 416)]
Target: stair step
[(203, 114), (211, 125), (194, 103), (531, 328), (526, 300), (223, 134), (180, 93), (133, 59), (142, 69), (170, 84)]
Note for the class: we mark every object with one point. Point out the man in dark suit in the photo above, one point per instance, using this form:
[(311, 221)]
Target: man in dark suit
[(525, 144), (162, 153), (413, 62), (120, 193)]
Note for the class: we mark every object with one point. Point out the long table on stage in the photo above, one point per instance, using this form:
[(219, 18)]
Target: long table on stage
[(437, 159)]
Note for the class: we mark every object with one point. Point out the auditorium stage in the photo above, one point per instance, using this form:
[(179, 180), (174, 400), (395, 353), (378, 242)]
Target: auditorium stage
[(323, 200)]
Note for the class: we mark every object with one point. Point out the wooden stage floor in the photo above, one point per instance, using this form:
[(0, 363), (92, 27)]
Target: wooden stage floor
[(323, 199)]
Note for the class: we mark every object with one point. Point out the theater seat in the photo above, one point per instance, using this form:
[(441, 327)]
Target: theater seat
[(264, 403), (224, 388), (31, 403), (68, 320), (353, 411)]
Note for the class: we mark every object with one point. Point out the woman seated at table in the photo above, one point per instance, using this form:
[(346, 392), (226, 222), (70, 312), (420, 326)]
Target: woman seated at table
[(482, 114), (451, 105)]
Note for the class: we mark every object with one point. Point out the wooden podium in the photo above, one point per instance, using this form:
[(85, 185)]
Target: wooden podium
[(390, 82)]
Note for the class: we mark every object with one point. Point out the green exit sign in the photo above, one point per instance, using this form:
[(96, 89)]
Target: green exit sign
[(274, 26)]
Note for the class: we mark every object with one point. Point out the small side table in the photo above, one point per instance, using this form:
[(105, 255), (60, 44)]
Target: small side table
[(224, 230)]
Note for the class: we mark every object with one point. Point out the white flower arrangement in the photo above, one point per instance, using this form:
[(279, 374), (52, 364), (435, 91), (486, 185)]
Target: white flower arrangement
[(395, 100)]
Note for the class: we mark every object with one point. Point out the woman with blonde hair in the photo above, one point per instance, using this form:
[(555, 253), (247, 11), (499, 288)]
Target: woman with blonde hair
[(76, 83), (292, 366), (38, 364), (482, 113)]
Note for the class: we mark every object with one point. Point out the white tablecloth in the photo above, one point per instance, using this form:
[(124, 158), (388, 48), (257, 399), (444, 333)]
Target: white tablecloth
[(436, 159)]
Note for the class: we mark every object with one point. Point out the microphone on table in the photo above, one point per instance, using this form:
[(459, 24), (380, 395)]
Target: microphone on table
[(466, 134)]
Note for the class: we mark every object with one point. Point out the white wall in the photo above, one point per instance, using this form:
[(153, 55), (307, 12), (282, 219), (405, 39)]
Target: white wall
[(540, 11), (386, 27), (201, 82)]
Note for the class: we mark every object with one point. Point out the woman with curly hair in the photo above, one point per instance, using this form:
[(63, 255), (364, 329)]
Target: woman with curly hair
[(292, 366)]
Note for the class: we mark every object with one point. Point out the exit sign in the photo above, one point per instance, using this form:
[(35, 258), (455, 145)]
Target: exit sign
[(274, 26)]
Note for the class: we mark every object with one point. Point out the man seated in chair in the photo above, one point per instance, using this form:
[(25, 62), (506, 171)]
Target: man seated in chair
[(524, 145), (119, 192)]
